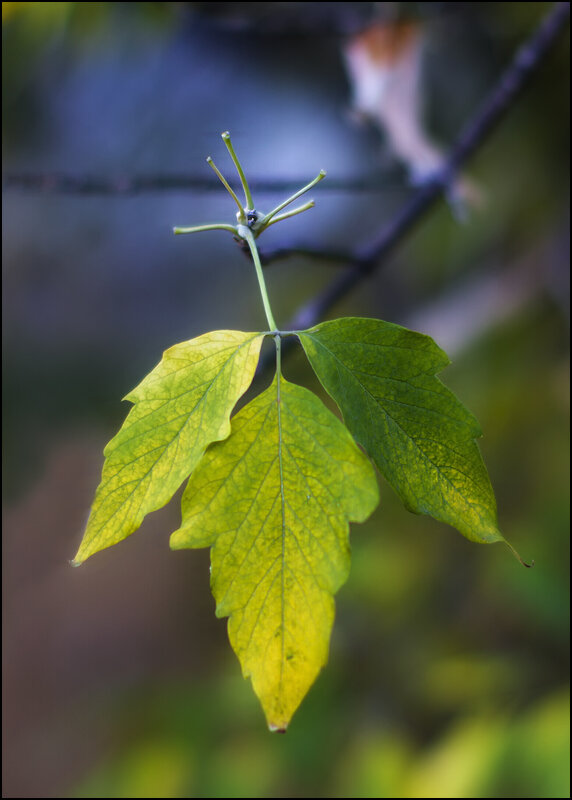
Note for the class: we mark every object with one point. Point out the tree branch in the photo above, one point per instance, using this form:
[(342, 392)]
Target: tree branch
[(63, 183), (369, 257)]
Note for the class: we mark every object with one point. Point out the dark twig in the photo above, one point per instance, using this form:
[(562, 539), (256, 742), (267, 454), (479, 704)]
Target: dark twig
[(369, 257), (318, 253), (62, 183)]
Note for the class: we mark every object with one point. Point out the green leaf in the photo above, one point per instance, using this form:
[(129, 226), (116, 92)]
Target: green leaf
[(382, 377), (182, 406), (274, 501)]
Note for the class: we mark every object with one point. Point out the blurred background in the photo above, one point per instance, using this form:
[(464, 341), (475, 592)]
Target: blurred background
[(448, 673)]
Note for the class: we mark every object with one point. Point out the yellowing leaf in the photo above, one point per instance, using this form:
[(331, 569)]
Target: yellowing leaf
[(382, 377), (182, 406), (274, 501)]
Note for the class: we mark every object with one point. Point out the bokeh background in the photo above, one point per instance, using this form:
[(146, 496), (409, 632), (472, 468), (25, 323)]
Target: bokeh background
[(448, 673)]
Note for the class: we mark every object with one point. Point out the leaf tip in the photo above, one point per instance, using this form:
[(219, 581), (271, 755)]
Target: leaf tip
[(75, 562), (277, 728), (518, 557)]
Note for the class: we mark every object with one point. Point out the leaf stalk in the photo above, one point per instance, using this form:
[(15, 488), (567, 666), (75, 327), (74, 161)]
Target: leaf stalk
[(246, 234)]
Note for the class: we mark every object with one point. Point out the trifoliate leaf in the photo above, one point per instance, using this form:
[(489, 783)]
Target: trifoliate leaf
[(274, 501), (182, 406), (382, 377)]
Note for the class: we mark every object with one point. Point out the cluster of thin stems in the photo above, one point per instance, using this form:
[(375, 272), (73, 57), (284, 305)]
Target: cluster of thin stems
[(251, 223)]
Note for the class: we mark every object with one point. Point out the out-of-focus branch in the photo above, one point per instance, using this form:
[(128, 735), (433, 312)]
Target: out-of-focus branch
[(369, 257), (319, 253), (63, 183)]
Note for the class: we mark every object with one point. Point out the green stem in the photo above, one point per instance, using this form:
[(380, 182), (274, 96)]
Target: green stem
[(214, 227), (249, 238), (265, 221), (227, 186), (241, 175), (292, 213)]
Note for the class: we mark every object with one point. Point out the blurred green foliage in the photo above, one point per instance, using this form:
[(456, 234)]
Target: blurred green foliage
[(190, 745)]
